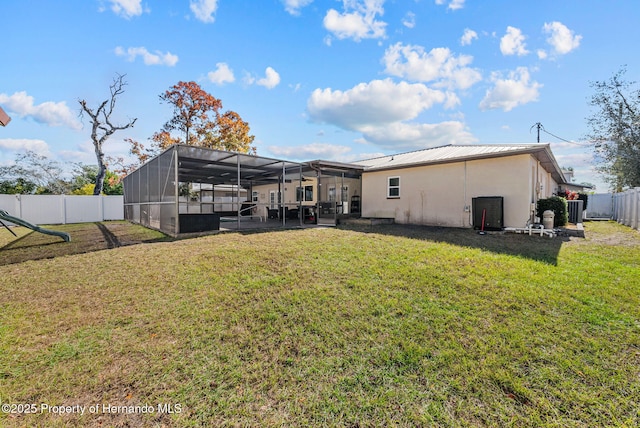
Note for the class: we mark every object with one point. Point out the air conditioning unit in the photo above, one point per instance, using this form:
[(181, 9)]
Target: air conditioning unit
[(489, 208)]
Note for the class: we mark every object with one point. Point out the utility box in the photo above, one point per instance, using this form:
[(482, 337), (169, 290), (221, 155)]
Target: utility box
[(547, 219), (491, 210)]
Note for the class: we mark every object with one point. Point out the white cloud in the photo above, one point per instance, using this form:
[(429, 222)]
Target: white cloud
[(311, 151), (418, 135), (438, 65), (542, 54), (381, 109), (127, 8), (468, 36), (409, 20), (358, 21), (294, 6), (222, 74), (203, 10), (512, 91), (271, 79), (157, 58), (562, 39), (18, 144), (512, 43), (453, 4), (85, 152), (379, 101), (48, 113)]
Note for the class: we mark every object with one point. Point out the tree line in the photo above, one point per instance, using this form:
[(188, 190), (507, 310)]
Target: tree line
[(33, 173)]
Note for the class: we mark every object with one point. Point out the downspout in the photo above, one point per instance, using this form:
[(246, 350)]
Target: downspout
[(466, 207), (536, 192)]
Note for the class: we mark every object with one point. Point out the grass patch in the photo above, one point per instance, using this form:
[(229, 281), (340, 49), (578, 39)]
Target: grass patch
[(6, 237), (383, 326)]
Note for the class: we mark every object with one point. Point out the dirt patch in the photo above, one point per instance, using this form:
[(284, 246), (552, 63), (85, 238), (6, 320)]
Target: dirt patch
[(85, 237), (111, 239), (609, 233)]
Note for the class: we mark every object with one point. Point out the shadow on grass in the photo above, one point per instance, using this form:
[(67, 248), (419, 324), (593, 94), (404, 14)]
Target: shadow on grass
[(85, 237), (542, 249)]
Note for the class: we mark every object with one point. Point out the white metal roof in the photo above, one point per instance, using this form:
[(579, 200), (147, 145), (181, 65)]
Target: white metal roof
[(457, 153)]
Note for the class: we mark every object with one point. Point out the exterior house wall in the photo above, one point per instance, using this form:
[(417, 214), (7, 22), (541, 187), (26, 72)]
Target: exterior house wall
[(329, 191), (441, 194), (263, 192), (428, 195)]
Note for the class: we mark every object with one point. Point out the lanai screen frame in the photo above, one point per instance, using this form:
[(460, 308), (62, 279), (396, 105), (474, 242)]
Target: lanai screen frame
[(151, 193)]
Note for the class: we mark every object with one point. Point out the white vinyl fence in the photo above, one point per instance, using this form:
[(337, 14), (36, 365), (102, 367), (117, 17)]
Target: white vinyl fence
[(600, 206), (62, 209), (626, 207)]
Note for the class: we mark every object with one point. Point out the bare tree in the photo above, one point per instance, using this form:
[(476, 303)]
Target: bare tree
[(102, 128)]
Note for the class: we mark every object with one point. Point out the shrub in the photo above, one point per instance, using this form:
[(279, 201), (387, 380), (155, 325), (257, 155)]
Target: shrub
[(556, 204), (584, 198)]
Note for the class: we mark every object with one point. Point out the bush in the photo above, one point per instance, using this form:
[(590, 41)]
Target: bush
[(556, 204), (584, 198)]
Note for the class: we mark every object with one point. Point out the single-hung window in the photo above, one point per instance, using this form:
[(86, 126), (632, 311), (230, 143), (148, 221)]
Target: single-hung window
[(393, 187)]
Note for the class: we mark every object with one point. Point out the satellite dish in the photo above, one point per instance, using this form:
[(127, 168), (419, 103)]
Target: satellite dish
[(4, 118)]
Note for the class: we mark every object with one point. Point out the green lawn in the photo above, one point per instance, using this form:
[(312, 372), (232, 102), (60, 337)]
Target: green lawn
[(360, 326)]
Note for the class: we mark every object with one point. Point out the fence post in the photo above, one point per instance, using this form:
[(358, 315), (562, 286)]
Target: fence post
[(635, 207), (626, 208)]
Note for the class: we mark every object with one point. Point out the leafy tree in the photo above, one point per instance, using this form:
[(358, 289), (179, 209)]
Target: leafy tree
[(232, 134), (44, 173), (615, 129), (84, 179), (197, 121), (19, 186), (86, 189), (113, 184), (83, 175), (102, 127)]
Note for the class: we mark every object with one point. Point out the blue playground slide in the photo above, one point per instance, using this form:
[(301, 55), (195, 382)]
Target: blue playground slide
[(15, 220)]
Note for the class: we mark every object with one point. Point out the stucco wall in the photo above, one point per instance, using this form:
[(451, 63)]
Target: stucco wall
[(441, 195)]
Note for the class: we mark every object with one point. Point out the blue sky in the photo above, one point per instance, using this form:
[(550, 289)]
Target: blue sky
[(318, 79)]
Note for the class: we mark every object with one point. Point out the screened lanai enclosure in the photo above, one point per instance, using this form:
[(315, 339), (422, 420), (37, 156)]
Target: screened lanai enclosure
[(190, 189)]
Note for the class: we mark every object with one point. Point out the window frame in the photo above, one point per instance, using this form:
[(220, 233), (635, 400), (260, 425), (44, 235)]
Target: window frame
[(304, 193), (391, 187)]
